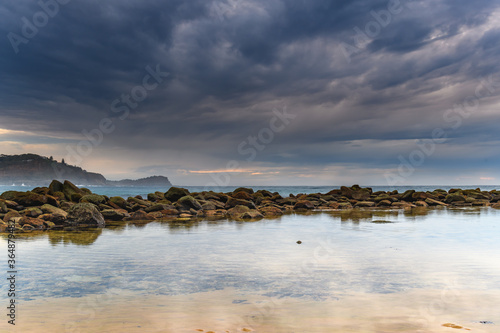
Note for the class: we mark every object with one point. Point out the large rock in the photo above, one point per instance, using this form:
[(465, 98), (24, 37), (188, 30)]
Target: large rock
[(95, 199), (118, 202), (189, 202), (49, 209), (271, 211), (175, 193), (33, 222), (85, 214), (72, 192), (26, 199), (303, 204), (55, 186), (141, 215), (10, 215), (115, 214), (233, 202)]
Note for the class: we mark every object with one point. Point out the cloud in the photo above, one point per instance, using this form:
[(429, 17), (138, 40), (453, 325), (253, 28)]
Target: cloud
[(231, 62)]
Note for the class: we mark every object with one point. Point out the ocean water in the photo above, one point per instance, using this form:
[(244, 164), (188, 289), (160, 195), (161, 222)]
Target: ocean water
[(127, 191), (355, 271)]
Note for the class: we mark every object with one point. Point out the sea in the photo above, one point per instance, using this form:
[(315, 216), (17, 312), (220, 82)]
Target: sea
[(131, 191)]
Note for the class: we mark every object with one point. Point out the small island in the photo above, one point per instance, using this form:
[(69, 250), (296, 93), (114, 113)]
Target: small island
[(64, 205)]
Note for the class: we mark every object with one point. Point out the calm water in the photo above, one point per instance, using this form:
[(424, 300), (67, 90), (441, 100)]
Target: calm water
[(357, 271)]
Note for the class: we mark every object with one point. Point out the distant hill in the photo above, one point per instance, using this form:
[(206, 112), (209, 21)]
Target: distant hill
[(35, 170)]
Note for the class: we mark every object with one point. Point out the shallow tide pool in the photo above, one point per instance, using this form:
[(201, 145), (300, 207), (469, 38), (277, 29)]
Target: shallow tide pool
[(354, 271)]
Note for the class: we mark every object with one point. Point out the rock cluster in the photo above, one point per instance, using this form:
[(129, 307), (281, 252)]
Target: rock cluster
[(64, 204)]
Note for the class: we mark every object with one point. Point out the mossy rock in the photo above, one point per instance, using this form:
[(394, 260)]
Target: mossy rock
[(175, 193), (189, 202), (95, 199)]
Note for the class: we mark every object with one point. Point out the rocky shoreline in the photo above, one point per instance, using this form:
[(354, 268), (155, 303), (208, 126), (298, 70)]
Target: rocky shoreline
[(63, 205)]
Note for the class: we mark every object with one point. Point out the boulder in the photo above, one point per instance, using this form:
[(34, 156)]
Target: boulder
[(85, 214), (432, 202), (454, 197), (303, 204), (115, 214), (32, 212), (188, 202), (11, 214), (118, 202), (253, 214), (243, 189), (55, 186), (237, 211), (175, 193), (71, 192), (233, 202), (26, 199), (34, 222), (271, 211), (141, 215), (95, 199), (364, 204), (49, 209), (242, 195)]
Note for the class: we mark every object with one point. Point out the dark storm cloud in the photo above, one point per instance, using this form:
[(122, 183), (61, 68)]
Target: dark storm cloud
[(231, 62)]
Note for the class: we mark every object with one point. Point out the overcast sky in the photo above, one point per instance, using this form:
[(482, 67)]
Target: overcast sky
[(256, 92)]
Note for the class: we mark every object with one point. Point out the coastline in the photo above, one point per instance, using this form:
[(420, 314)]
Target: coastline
[(64, 205)]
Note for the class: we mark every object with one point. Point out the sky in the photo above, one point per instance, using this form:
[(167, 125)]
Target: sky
[(256, 92)]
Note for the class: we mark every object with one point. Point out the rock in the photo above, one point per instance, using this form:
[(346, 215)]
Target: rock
[(364, 204), (94, 199), (189, 202), (170, 212), (421, 203), (408, 195), (11, 214), (303, 204), (32, 212), (243, 189), (271, 211), (156, 208), (345, 205), (153, 197), (454, 198), (49, 209), (55, 186), (237, 211), (34, 222), (299, 242), (141, 215), (3, 207), (71, 192), (242, 195), (117, 202), (54, 218), (139, 201), (384, 203), (115, 214), (26, 199), (85, 214), (334, 205), (496, 206), (432, 202), (233, 202), (209, 205), (253, 214), (175, 193), (361, 195)]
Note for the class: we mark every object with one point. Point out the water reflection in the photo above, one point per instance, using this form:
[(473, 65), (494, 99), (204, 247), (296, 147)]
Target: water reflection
[(77, 237)]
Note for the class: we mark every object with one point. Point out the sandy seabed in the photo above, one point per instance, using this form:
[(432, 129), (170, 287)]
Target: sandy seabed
[(233, 311)]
